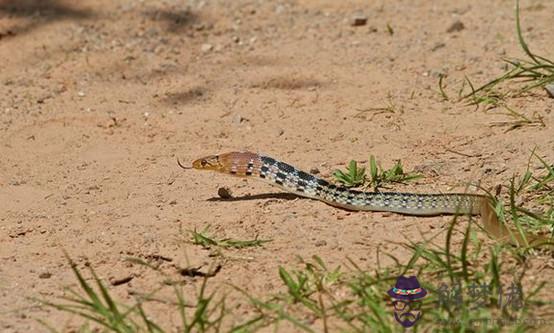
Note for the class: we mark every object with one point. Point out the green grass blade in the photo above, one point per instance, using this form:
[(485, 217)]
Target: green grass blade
[(520, 36)]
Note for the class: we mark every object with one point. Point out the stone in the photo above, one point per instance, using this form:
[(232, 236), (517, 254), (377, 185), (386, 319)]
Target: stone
[(224, 193), (237, 119), (320, 243), (456, 27), (206, 48), (359, 20)]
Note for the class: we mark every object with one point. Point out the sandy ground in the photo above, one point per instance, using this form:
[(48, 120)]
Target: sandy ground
[(100, 98)]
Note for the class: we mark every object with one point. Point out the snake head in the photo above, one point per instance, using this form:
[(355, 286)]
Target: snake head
[(211, 162), (236, 163)]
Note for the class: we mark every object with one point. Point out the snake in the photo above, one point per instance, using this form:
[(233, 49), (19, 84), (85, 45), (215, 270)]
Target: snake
[(301, 183)]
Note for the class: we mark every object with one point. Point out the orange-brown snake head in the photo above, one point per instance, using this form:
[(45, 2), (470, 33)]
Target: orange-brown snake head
[(235, 163), (211, 162)]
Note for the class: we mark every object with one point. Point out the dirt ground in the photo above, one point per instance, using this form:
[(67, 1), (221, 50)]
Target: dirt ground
[(99, 99)]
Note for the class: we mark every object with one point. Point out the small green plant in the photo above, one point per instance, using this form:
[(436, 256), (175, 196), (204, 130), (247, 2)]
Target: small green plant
[(208, 312), (390, 30), (395, 174), (354, 175), (545, 182), (315, 277), (95, 304), (519, 119), (441, 87), (299, 289), (390, 108), (538, 71), (205, 240), (538, 188)]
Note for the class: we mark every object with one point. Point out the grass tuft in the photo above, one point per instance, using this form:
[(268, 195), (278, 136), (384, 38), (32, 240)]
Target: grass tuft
[(94, 304), (395, 174), (356, 176), (534, 72), (205, 240)]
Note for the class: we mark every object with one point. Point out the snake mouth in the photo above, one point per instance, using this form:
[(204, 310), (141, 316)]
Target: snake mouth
[(206, 163)]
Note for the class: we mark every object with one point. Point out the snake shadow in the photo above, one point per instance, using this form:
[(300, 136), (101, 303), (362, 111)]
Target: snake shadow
[(262, 196), (38, 13)]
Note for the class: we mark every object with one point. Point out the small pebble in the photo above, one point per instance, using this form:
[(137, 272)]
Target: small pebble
[(280, 132), (238, 119), (359, 20), (206, 48), (81, 94), (456, 26), (45, 275), (314, 171), (224, 193), (438, 46), (320, 243), (120, 281), (279, 9)]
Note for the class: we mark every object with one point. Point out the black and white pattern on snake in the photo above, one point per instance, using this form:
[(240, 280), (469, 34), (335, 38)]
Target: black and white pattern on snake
[(291, 179)]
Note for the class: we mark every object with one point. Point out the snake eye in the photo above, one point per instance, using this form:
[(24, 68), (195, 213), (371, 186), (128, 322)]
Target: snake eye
[(203, 163)]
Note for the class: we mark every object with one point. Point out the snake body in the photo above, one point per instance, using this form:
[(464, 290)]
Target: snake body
[(294, 180)]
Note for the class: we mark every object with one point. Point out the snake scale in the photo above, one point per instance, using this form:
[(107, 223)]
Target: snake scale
[(291, 179)]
